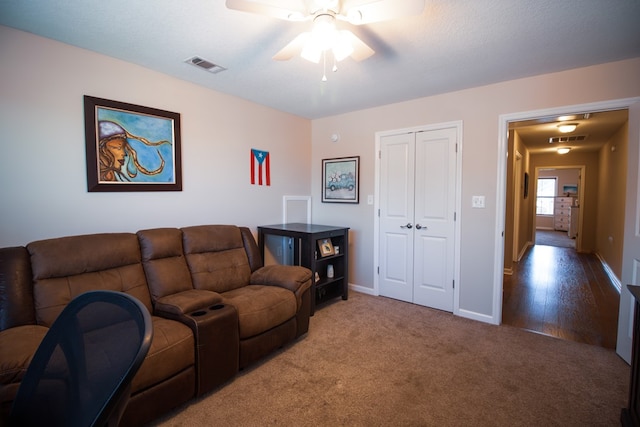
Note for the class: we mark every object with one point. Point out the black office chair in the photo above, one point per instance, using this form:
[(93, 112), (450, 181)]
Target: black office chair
[(81, 373)]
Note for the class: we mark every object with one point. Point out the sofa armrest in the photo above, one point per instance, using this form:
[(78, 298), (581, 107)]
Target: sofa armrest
[(295, 278), (184, 303), (215, 330)]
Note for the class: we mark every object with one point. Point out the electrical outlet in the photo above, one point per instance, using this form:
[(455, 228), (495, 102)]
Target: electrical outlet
[(477, 202)]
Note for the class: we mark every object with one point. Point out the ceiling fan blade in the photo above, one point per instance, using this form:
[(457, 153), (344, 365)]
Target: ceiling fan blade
[(361, 50), (289, 10), (360, 12), (293, 48)]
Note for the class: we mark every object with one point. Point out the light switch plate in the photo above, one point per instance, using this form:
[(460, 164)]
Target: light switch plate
[(370, 199), (477, 202)]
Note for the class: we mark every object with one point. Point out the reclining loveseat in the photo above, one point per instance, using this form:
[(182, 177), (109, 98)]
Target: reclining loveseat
[(215, 308)]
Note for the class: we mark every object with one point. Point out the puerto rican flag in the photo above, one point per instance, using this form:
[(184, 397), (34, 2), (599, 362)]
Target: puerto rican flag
[(260, 167)]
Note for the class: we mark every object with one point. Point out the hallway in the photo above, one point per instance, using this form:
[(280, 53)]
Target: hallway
[(559, 292)]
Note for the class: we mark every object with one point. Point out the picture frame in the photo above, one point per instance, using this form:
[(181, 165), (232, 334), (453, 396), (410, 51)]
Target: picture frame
[(131, 147), (325, 246), (341, 180), (526, 185)]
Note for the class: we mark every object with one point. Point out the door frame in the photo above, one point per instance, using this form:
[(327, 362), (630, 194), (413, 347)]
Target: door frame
[(517, 182), (503, 127), (458, 125)]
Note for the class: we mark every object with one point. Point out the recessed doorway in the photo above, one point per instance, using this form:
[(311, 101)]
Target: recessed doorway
[(550, 287)]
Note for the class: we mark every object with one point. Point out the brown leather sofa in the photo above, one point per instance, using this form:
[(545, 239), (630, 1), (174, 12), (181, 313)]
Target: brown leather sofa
[(215, 307)]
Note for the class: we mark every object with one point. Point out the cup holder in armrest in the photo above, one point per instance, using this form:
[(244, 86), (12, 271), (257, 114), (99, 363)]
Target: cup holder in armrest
[(202, 312)]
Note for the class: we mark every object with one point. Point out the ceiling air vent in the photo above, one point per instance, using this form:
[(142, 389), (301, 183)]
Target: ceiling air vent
[(572, 138), (205, 65)]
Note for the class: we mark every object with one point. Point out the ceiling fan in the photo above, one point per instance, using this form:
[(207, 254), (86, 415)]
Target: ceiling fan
[(324, 37)]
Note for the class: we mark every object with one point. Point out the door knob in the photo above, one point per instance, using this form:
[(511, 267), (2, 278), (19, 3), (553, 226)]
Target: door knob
[(406, 226), (418, 227)]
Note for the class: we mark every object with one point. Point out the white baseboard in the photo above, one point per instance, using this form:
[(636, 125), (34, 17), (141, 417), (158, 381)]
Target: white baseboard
[(612, 276), (362, 289), (477, 316), (524, 250)]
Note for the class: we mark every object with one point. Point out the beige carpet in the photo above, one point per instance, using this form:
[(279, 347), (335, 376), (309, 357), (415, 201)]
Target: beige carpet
[(373, 361)]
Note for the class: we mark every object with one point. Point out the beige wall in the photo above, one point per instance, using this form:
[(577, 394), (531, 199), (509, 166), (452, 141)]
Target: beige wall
[(611, 200), (479, 109), (43, 163), (517, 160), (42, 167)]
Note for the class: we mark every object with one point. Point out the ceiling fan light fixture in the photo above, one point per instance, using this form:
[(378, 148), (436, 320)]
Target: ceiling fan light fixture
[(567, 127), (342, 47), (324, 33), (563, 150), (311, 51)]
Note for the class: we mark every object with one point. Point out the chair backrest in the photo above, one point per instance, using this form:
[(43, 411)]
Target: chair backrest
[(81, 373)]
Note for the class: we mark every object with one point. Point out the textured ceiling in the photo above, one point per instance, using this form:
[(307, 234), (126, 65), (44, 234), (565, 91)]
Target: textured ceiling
[(453, 45)]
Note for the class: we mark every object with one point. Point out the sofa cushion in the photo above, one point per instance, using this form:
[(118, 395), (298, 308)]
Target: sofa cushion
[(17, 347), (216, 257), (65, 267), (172, 351), (261, 308)]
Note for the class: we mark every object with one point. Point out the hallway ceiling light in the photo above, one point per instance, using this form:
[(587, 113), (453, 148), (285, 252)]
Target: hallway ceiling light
[(564, 150), (567, 127)]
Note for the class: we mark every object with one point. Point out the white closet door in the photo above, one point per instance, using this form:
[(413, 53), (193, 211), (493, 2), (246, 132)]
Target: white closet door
[(417, 217), (434, 218), (396, 216)]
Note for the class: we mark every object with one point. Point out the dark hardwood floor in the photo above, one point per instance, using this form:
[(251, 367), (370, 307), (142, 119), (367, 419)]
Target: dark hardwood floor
[(559, 292)]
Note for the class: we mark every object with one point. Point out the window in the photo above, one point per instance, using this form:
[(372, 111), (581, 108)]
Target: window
[(545, 196)]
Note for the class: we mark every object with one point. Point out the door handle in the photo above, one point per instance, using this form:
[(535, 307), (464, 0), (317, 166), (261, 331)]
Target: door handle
[(419, 227), (406, 226)]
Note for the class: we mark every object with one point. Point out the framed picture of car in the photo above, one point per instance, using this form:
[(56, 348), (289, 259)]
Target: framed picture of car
[(340, 180)]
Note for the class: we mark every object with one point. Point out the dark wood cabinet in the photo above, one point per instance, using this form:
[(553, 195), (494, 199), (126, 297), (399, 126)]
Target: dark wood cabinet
[(631, 415), (308, 253)]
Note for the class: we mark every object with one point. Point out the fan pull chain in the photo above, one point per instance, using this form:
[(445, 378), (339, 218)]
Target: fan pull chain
[(324, 66)]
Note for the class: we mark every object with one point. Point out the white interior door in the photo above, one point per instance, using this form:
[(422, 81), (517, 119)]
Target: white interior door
[(434, 212), (396, 216), (417, 217)]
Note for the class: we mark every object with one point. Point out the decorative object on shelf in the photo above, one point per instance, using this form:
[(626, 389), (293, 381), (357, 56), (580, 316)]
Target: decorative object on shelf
[(326, 247), (330, 271), (260, 167), (317, 277), (340, 180), (336, 249), (131, 147)]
